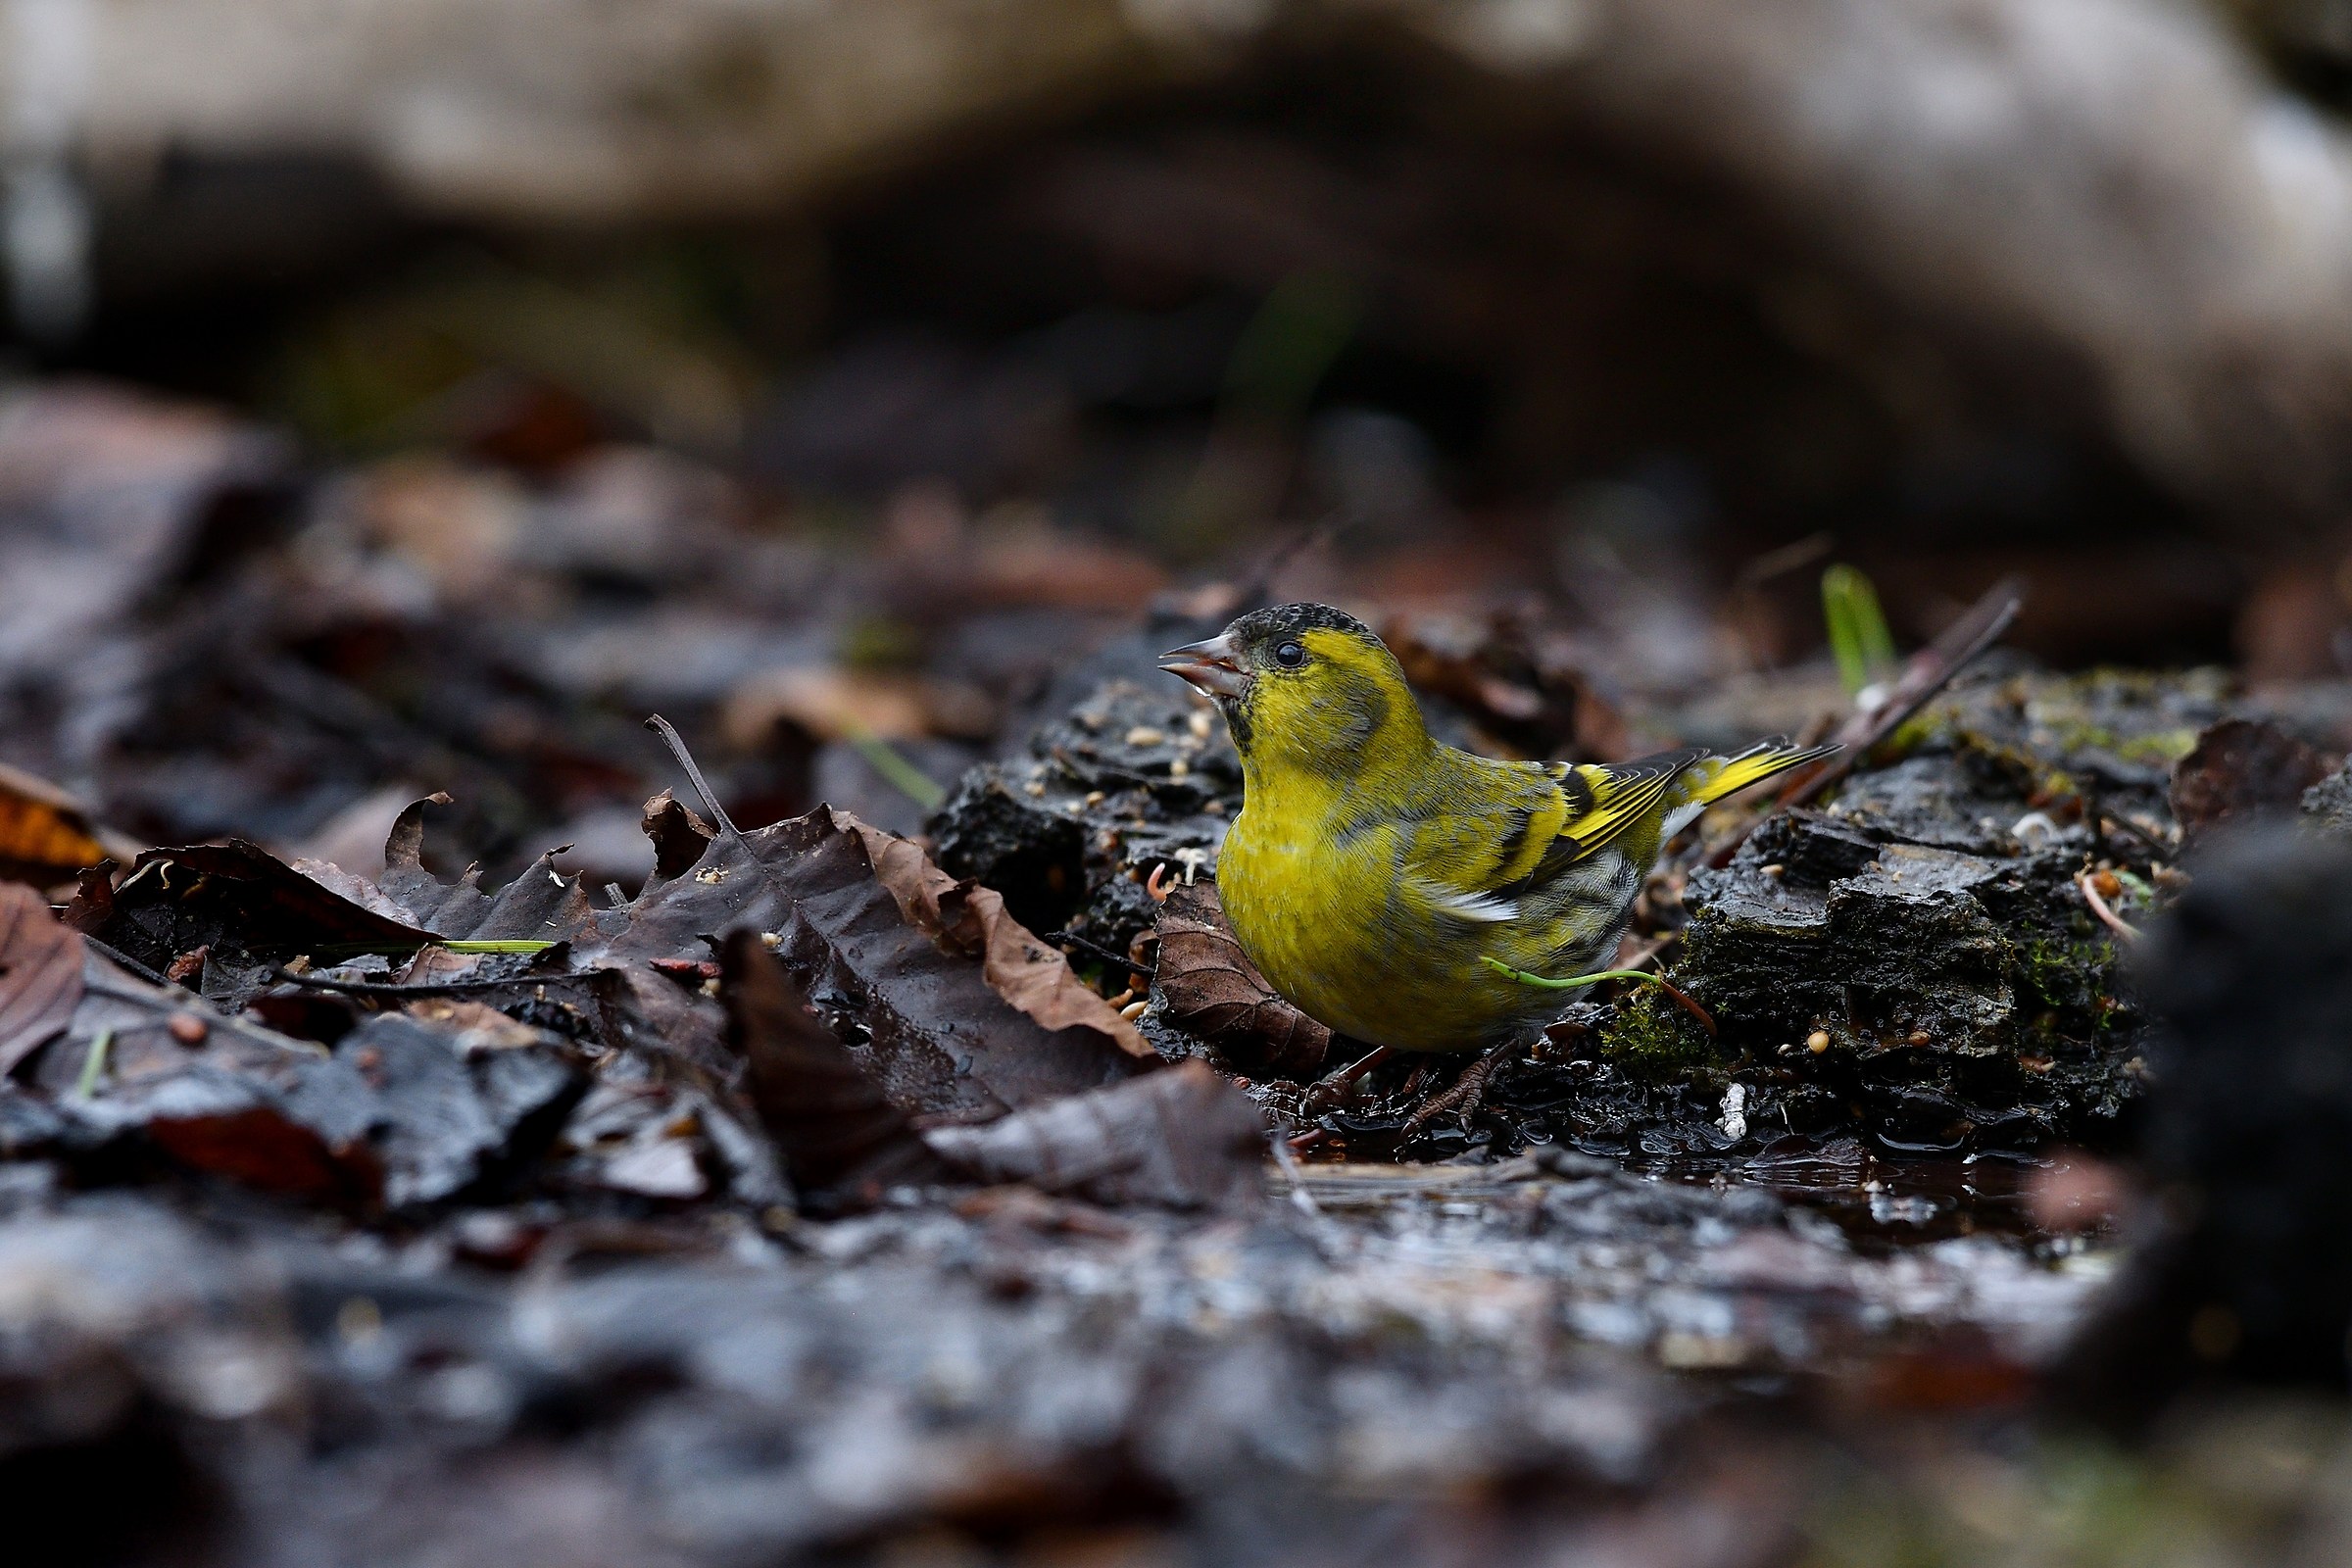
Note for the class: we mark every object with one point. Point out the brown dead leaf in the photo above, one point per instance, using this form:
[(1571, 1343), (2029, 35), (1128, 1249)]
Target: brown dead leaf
[(539, 906), (40, 976), (893, 947), (844, 1142), (1210, 988), (237, 894), (679, 836), (2240, 769), (1183, 1139), (972, 920), (46, 836)]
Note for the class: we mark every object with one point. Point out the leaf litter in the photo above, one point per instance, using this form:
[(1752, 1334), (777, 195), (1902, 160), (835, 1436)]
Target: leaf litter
[(790, 1193)]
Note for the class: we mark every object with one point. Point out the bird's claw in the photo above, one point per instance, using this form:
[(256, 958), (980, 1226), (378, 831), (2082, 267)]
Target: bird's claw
[(1464, 1097)]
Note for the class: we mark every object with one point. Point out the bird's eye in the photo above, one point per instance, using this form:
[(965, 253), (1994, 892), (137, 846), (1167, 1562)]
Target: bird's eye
[(1290, 656)]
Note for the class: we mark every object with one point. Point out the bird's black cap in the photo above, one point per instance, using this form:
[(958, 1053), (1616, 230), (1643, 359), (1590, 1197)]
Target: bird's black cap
[(1291, 619)]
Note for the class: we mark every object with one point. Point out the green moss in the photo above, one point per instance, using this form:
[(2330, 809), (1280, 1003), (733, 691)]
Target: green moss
[(2069, 981), (1653, 1038), (2041, 731)]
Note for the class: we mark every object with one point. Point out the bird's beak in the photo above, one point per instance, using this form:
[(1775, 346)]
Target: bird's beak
[(1212, 667)]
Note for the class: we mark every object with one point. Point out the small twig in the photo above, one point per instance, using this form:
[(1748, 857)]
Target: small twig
[(114, 955), (443, 988), (1649, 955), (1924, 676), (2098, 907), (2156, 847), (1068, 939), (1929, 672), (693, 776)]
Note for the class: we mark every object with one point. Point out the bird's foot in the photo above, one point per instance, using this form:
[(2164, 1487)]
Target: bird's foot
[(1331, 1090), (1463, 1098)]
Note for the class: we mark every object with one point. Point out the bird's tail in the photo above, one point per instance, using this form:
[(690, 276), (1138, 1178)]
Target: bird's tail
[(1719, 776)]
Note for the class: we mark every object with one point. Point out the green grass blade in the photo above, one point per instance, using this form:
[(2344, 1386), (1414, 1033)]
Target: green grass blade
[(1859, 638)]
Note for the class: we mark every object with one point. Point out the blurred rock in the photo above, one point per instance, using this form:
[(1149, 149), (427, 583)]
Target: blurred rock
[(2243, 1276)]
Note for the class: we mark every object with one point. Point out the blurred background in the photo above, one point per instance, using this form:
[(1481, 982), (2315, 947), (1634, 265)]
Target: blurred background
[(412, 394)]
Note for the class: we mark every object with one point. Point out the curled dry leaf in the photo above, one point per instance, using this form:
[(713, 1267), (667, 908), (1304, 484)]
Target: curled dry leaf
[(2241, 769), (679, 836), (972, 919), (40, 976), (1182, 1139), (237, 895), (539, 906), (1208, 986), (46, 836), (939, 1032)]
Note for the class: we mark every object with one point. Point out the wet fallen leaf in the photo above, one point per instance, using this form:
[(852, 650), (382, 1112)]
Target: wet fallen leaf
[(402, 1110), (2241, 769), (239, 898), (40, 976), (539, 906), (1182, 1139), (843, 1141), (679, 836), (46, 836), (972, 919), (1210, 986), (940, 1031)]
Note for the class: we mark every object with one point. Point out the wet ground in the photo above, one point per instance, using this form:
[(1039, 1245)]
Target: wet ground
[(736, 1190)]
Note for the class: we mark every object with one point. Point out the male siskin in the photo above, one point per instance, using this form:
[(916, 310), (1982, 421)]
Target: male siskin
[(1396, 888)]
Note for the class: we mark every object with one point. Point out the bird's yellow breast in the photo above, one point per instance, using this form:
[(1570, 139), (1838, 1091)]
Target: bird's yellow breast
[(1327, 921)]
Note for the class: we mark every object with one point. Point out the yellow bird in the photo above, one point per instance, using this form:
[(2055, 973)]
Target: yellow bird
[(1406, 892)]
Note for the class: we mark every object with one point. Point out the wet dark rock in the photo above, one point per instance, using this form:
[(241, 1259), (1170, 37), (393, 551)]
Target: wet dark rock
[(1939, 999), (1131, 778), (2326, 806), (1940, 801), (2107, 733)]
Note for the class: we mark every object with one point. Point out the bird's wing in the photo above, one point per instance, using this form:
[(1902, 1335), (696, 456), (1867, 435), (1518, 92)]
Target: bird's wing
[(1614, 797), (1532, 826), (1528, 827)]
